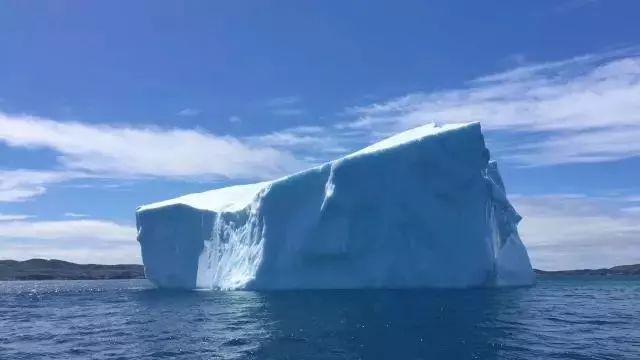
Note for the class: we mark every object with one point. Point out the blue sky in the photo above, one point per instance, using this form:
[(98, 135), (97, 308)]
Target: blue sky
[(106, 106)]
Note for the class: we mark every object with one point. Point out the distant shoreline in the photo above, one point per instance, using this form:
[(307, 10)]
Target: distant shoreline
[(41, 269), (620, 270)]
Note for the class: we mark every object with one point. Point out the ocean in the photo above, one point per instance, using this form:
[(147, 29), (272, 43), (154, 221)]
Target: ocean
[(558, 318)]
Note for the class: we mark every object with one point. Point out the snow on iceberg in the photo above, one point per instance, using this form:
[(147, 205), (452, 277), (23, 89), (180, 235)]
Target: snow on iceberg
[(424, 208)]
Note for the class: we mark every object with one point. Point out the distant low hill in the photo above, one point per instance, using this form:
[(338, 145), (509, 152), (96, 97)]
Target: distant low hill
[(623, 270), (41, 269)]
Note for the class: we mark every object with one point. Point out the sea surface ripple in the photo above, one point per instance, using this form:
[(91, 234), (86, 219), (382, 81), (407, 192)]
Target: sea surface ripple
[(567, 318)]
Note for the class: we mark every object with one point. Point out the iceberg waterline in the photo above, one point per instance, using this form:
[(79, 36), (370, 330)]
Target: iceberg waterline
[(423, 208)]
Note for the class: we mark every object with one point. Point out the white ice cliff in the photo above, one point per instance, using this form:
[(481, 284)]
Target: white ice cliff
[(424, 208)]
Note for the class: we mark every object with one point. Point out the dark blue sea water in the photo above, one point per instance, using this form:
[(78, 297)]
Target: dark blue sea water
[(556, 319)]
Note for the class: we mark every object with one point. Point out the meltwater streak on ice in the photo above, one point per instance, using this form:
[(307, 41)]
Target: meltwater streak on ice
[(231, 256), (424, 208)]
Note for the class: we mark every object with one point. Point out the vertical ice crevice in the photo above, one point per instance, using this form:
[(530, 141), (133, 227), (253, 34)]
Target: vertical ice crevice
[(203, 278), (502, 220)]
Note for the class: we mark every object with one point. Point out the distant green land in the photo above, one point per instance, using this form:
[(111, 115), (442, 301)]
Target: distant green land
[(41, 269), (620, 270)]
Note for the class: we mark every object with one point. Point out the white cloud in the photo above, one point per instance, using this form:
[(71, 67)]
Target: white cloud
[(75, 215), (111, 254), (235, 119), (632, 209), (67, 230), (110, 185), (121, 152), (572, 232), (21, 185), (597, 145), (584, 109), (189, 112), (286, 106), (11, 217), (73, 240), (316, 140)]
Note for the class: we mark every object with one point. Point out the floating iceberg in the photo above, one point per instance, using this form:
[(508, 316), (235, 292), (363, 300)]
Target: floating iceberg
[(424, 208)]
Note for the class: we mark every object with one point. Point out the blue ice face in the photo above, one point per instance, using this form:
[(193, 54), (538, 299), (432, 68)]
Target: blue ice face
[(171, 241), (429, 211)]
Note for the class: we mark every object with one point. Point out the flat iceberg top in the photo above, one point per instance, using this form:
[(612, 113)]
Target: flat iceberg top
[(232, 198), (409, 136), (235, 198)]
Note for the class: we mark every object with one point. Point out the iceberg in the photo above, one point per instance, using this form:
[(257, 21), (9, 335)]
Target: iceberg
[(424, 208)]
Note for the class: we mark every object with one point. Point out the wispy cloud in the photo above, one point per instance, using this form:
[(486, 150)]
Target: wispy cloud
[(588, 145), (12, 217), (75, 215), (74, 240), (235, 119), (102, 253), (22, 184), (286, 106), (109, 151), (85, 230), (632, 209), (571, 232), (583, 109), (115, 185), (189, 112), (307, 139)]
